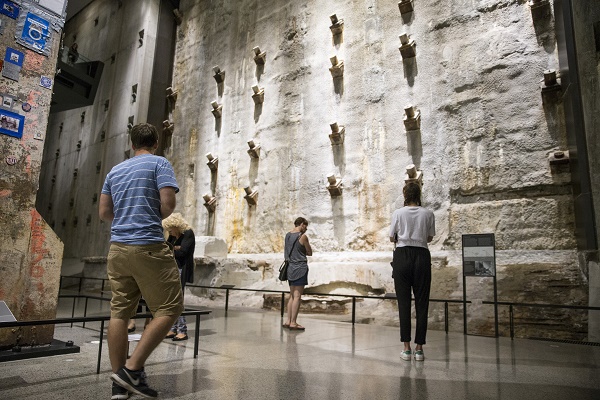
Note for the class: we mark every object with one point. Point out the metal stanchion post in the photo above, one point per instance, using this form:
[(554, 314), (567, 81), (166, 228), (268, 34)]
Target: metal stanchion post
[(197, 335), (446, 316), (512, 325), (226, 287), (282, 303), (353, 310), (464, 304), (85, 309), (73, 310), (100, 346), (80, 283), (226, 300)]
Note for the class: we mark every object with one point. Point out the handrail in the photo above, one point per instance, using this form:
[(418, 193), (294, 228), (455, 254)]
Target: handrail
[(283, 292), (387, 296), (196, 313), (67, 56), (393, 296), (511, 306), (542, 305), (81, 278), (87, 297)]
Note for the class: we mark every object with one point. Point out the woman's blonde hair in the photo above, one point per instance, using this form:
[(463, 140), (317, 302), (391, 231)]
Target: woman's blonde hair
[(176, 220)]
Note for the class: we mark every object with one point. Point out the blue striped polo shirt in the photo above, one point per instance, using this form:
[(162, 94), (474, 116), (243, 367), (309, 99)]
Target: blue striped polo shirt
[(134, 187)]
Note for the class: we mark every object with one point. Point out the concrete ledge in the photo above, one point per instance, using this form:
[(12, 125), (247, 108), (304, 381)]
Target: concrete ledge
[(210, 246)]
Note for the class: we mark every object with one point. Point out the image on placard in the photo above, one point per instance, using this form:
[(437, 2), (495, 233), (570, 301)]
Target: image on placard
[(11, 123)]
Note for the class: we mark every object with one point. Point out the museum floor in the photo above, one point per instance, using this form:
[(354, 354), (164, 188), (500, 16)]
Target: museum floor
[(247, 355)]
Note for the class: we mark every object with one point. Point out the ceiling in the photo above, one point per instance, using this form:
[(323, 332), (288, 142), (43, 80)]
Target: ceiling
[(74, 6)]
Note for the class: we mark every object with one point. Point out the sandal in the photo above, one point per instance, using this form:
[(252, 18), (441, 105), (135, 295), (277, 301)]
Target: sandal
[(170, 335), (297, 327), (286, 326)]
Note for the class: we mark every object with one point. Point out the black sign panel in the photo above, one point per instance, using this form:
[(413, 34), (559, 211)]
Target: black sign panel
[(479, 255)]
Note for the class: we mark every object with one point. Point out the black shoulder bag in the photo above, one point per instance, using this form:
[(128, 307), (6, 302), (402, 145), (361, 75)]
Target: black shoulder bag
[(284, 266)]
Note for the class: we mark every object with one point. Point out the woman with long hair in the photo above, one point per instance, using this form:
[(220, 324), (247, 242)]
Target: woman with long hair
[(412, 228)]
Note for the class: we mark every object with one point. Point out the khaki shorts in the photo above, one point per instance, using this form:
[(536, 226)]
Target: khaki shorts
[(143, 270)]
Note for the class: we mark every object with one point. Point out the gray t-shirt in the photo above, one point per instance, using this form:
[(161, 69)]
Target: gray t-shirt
[(298, 266), (412, 226)]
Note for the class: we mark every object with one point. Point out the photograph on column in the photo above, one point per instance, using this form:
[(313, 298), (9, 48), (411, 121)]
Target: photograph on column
[(9, 8), (11, 123)]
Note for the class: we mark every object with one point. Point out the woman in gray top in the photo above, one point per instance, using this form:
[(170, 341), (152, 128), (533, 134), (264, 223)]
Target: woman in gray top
[(296, 249), (412, 228)]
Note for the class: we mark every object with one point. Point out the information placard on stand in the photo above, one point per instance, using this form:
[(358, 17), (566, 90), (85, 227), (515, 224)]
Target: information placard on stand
[(5, 314), (479, 259)]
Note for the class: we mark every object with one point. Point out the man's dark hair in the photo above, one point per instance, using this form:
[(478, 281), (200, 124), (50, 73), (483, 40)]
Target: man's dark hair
[(144, 136), (300, 220), (412, 193)]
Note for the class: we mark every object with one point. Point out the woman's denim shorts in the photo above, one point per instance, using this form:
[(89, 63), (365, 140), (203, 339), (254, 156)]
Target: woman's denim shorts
[(302, 281)]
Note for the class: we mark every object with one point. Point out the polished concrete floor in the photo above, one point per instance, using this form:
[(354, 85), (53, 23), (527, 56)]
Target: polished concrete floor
[(248, 355)]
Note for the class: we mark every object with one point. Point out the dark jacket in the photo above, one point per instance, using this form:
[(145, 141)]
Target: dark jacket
[(185, 255)]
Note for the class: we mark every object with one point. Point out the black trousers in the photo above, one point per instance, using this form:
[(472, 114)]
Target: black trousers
[(412, 270)]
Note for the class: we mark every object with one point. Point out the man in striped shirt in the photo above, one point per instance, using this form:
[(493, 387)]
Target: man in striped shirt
[(137, 195)]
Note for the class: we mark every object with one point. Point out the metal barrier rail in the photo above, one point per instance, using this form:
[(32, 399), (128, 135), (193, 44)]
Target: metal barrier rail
[(87, 297), (511, 306), (81, 279), (227, 287), (196, 313), (353, 296)]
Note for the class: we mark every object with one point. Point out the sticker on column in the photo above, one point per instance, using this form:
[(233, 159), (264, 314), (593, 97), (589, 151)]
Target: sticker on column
[(14, 56), (7, 100), (46, 82), (58, 7), (11, 71), (35, 33), (13, 62), (9, 8)]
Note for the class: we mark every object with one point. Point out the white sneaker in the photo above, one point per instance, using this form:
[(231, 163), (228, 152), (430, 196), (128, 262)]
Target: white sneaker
[(419, 356), (406, 355)]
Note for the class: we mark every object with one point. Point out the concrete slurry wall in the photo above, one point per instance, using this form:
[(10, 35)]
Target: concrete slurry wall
[(30, 253), (483, 144), (70, 203), (587, 35)]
